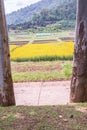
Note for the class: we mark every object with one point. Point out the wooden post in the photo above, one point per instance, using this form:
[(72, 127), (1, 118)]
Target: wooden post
[(6, 84), (78, 89)]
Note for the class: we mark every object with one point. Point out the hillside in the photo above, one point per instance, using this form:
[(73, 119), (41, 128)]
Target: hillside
[(52, 19), (26, 14)]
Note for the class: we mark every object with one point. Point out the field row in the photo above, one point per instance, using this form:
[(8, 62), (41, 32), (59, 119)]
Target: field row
[(41, 71), (38, 52)]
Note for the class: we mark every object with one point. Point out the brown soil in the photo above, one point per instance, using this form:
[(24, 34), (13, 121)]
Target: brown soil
[(29, 66)]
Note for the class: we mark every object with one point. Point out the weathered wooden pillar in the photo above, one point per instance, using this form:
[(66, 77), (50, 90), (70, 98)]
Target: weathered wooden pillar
[(6, 84), (79, 77)]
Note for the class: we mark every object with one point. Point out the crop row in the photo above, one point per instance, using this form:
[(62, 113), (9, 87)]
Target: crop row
[(38, 52)]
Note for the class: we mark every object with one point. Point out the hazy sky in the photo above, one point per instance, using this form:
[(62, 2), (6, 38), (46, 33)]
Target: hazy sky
[(13, 5)]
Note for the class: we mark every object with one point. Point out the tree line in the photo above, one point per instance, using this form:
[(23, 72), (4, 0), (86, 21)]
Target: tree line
[(65, 12)]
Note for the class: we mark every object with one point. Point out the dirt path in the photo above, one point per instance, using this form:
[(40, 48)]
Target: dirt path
[(42, 93)]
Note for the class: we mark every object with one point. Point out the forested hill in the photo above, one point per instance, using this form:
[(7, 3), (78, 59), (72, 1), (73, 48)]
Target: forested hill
[(28, 13)]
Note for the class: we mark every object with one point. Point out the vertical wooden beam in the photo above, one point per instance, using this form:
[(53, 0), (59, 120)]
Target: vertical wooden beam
[(6, 84), (78, 89)]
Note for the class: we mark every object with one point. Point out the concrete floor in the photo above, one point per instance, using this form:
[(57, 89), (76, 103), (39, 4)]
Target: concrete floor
[(42, 93)]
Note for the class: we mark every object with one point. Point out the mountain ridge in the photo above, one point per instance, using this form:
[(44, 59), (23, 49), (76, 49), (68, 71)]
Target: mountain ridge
[(25, 14)]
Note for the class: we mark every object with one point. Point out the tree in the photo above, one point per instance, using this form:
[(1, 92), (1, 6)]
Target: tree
[(79, 77), (6, 85)]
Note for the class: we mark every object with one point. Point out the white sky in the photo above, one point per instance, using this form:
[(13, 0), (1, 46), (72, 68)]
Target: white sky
[(13, 5)]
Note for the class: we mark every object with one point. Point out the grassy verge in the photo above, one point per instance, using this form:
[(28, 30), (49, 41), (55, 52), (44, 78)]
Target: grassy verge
[(43, 58), (41, 71), (44, 118)]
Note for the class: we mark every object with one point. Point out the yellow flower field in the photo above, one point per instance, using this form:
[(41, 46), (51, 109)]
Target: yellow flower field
[(41, 50), (12, 47)]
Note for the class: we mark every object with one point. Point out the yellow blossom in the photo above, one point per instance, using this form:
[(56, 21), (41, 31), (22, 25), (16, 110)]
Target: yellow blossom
[(40, 50)]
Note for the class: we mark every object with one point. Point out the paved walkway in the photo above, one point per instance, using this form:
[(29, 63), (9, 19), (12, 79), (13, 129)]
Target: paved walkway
[(42, 93)]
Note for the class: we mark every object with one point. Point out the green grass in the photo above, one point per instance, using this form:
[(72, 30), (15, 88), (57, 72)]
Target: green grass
[(67, 70), (44, 58), (37, 76), (41, 71), (43, 118)]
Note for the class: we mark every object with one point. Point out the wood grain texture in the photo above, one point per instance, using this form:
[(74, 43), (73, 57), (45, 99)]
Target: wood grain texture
[(79, 76), (6, 84)]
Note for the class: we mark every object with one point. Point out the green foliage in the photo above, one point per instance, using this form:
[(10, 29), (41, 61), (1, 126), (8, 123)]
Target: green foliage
[(56, 27), (49, 16), (54, 11), (26, 14), (67, 69)]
